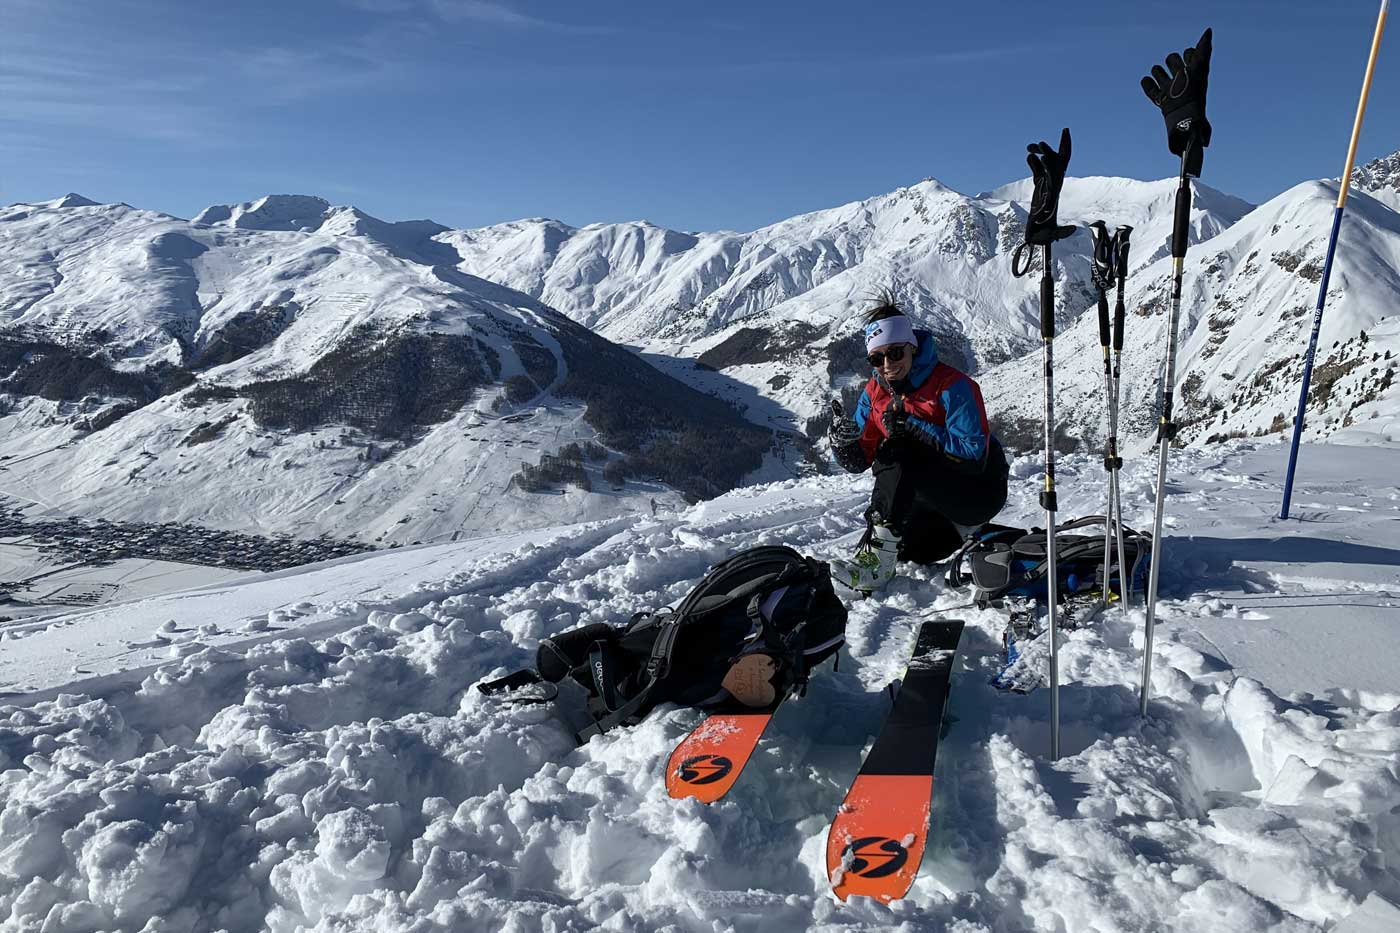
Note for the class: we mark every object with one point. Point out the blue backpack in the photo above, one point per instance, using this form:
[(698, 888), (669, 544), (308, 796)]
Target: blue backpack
[(1000, 561)]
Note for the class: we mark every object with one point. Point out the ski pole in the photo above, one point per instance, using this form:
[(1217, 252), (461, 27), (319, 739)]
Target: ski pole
[(1043, 229), (1120, 259), (1166, 428), (1327, 265), (1182, 99), (1047, 495), (1103, 278)]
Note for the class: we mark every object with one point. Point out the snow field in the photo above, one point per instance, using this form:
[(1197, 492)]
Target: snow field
[(355, 781)]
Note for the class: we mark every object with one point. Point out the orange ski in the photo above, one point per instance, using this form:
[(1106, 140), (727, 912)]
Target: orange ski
[(877, 839), (708, 761)]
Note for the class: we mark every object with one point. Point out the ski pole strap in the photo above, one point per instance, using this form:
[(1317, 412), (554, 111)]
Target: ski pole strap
[(1102, 267), (1018, 270)]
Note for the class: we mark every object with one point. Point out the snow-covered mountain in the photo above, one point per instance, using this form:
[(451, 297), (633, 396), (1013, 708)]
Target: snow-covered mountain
[(772, 311), (289, 323), (1379, 178), (288, 366), (774, 308), (1248, 298)]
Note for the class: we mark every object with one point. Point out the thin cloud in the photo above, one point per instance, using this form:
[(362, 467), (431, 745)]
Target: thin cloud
[(488, 12), (281, 75), (40, 89), (483, 12), (165, 92)]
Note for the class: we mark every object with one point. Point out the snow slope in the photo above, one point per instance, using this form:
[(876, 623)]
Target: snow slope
[(339, 773), (639, 283), (1248, 297), (288, 366), (778, 304)]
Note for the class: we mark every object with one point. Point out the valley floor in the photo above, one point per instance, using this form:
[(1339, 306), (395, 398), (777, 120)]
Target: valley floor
[(301, 750)]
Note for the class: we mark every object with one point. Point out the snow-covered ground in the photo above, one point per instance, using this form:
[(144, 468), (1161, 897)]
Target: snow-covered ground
[(303, 750)]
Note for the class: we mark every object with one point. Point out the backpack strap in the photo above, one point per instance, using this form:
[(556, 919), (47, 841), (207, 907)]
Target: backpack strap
[(956, 577), (602, 666), (512, 681), (516, 680), (786, 647), (658, 666)]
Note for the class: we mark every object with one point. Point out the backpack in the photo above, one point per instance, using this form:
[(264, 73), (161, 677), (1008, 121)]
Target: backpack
[(767, 600), (1006, 562)]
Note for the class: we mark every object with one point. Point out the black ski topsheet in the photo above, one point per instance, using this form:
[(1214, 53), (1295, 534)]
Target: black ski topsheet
[(877, 839)]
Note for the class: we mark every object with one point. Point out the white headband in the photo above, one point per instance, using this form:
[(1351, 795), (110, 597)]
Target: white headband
[(888, 332)]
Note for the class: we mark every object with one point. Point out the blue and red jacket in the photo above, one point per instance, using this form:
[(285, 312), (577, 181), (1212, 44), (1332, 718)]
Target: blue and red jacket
[(943, 403)]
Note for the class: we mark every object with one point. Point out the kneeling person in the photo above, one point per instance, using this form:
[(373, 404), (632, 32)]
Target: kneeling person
[(920, 425)]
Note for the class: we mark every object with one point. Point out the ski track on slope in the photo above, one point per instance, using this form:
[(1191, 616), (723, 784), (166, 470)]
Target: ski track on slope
[(351, 779)]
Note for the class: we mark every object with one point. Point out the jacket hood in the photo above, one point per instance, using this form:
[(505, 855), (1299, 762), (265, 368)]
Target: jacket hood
[(925, 359)]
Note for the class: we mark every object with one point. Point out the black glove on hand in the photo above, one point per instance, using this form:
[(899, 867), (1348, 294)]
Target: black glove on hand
[(844, 436), (843, 430), (1048, 170), (895, 421), (1182, 97)]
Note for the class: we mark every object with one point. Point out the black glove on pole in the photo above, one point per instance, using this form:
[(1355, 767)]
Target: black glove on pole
[(1182, 99), (1048, 171), (1043, 229), (1181, 95)]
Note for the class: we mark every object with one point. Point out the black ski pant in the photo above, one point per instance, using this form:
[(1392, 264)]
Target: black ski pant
[(923, 497)]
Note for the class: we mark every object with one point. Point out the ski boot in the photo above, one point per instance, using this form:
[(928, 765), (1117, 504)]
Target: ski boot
[(874, 562)]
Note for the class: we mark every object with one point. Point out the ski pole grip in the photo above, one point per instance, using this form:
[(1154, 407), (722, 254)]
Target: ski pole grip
[(1103, 320), (1119, 316), (1047, 309), (1120, 240), (1047, 298), (1182, 224)]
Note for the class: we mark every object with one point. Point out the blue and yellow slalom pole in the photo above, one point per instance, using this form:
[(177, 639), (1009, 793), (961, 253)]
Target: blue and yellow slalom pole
[(1331, 251)]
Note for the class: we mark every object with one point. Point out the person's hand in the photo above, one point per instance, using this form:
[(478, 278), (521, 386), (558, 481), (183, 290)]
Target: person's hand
[(843, 431), (895, 421)]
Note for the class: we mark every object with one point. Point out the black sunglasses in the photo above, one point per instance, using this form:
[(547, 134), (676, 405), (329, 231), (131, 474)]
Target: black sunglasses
[(893, 354)]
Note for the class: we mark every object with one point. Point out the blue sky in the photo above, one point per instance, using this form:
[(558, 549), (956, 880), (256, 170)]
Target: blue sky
[(697, 116)]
